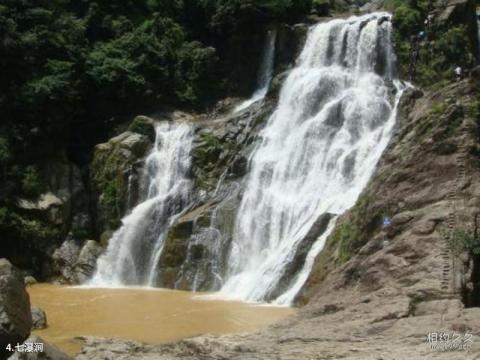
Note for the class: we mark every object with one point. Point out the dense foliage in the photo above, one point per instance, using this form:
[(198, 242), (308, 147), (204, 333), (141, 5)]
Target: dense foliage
[(70, 69)]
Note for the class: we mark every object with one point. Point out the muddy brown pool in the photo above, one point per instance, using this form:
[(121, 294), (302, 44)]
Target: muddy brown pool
[(148, 315)]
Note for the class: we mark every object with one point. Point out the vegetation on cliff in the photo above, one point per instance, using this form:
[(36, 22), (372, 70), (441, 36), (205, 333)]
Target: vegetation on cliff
[(445, 39), (71, 69)]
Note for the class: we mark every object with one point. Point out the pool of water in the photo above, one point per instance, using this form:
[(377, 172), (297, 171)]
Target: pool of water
[(148, 315)]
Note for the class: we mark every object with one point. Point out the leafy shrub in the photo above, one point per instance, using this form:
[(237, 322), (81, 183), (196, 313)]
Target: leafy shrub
[(346, 235), (5, 154), (354, 230), (463, 240), (233, 14), (322, 7), (194, 71), (407, 21), (31, 182)]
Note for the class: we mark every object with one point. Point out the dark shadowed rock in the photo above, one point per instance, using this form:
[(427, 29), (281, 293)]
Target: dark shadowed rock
[(290, 40), (15, 316), (60, 208)]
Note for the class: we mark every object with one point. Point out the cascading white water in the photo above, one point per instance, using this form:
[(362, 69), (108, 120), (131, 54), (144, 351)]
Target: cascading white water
[(335, 117), (133, 252), (265, 73), (478, 31)]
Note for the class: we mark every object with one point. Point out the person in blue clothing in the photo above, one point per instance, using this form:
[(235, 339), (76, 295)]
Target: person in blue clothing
[(386, 222)]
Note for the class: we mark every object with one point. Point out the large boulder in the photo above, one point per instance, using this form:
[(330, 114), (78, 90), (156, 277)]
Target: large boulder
[(15, 315)]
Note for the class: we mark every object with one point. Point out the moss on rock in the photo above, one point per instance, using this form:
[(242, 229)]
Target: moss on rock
[(113, 163), (143, 125)]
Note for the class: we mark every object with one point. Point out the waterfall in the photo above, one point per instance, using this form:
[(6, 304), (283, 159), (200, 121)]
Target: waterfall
[(133, 251), (265, 72), (335, 117), (478, 32)]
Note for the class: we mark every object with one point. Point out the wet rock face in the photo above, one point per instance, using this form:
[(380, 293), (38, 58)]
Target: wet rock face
[(174, 252), (197, 244), (300, 256), (15, 315), (222, 145)]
